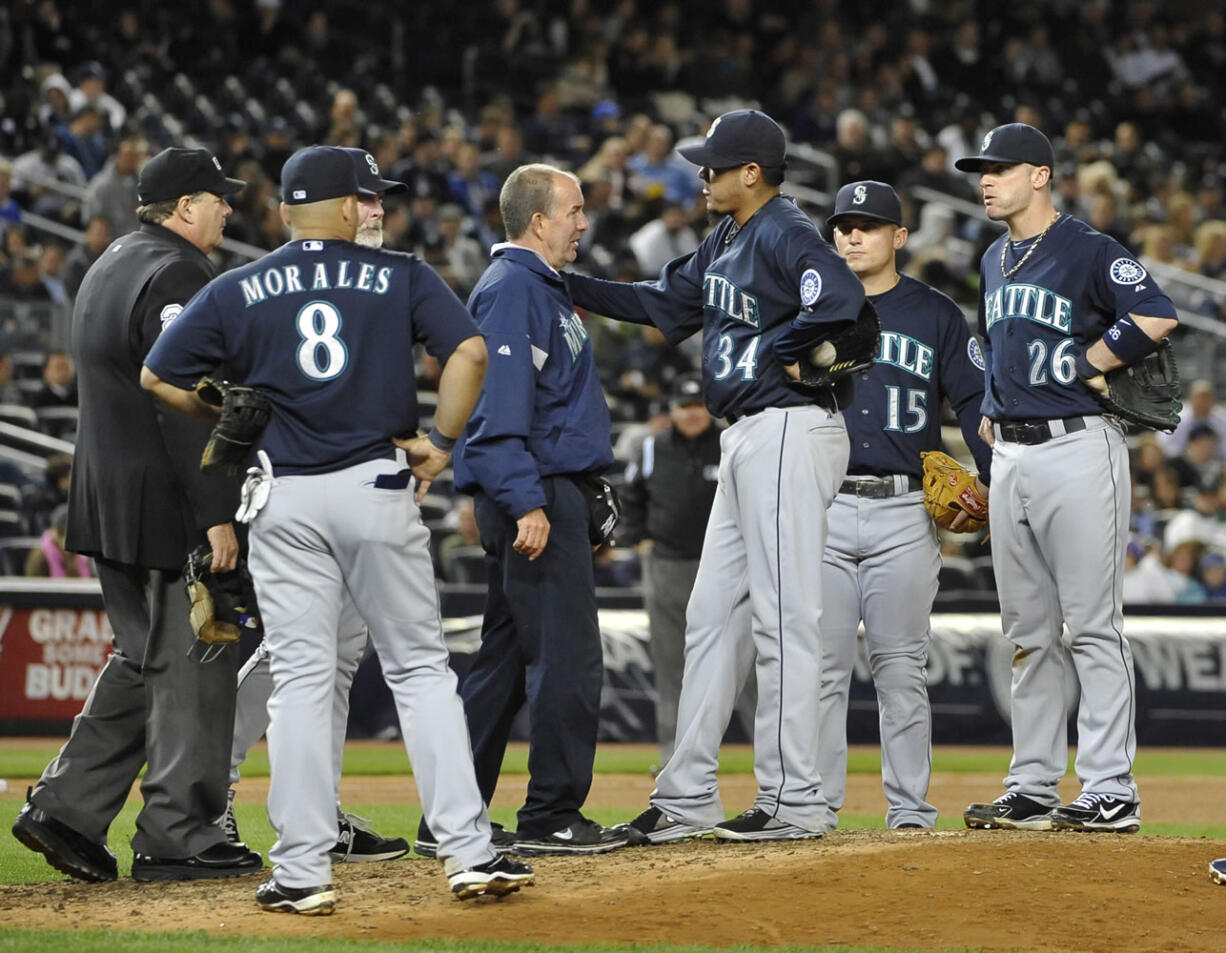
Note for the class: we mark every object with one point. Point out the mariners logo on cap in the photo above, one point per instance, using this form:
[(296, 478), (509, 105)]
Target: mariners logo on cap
[(861, 195), (810, 287), (714, 126), (374, 166), (1125, 271), (987, 141)]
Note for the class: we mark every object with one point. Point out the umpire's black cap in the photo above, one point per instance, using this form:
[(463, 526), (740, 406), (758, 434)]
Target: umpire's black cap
[(740, 137), (318, 173), (686, 389), (867, 199), (1010, 144), (174, 172), (368, 173)]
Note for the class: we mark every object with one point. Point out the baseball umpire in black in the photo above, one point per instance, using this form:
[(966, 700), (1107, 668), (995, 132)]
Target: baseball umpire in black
[(138, 504)]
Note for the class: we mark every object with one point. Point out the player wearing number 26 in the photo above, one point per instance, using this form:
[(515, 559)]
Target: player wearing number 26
[(1059, 305)]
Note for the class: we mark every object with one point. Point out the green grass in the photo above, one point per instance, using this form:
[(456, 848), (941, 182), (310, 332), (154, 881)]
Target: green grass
[(92, 941)]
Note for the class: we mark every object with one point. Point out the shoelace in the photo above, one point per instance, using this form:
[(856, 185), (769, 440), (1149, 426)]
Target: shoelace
[(1089, 800)]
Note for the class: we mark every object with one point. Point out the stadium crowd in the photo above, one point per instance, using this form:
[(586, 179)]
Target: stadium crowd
[(1130, 94)]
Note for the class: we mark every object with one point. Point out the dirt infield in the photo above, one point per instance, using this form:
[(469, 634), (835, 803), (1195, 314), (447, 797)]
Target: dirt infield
[(920, 890)]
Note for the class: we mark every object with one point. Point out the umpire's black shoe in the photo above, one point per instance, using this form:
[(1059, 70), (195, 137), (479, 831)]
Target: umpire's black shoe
[(581, 837), (502, 839), (220, 860), (66, 850), (1012, 811)]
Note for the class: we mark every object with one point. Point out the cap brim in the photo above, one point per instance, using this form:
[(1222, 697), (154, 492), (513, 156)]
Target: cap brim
[(231, 186), (976, 163), (835, 219), (389, 187), (709, 158)]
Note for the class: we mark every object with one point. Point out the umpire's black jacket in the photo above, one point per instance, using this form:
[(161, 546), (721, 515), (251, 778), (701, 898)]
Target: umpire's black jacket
[(137, 494), (669, 489)]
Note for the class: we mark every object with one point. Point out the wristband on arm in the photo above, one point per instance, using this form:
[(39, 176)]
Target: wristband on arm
[(1128, 342), (439, 441)]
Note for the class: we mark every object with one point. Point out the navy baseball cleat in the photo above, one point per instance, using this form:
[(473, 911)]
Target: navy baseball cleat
[(1098, 812), (755, 825), (1217, 870), (494, 878), (357, 842), (309, 901), (1012, 811)]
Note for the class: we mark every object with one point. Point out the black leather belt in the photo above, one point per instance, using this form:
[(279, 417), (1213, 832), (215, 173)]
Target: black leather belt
[(880, 488), (741, 415), (1032, 432)]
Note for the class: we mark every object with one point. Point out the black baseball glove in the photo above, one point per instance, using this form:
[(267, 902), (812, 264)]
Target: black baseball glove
[(223, 604), (604, 507), (845, 352), (1147, 392), (244, 414)]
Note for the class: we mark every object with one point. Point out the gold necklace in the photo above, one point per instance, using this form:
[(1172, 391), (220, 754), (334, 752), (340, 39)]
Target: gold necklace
[(1029, 251)]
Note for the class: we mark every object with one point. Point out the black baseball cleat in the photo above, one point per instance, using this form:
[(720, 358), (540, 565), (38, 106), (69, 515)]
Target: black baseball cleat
[(1098, 812), (1217, 870), (502, 839), (653, 826), (359, 843), (1012, 811), (495, 878), (317, 901), (229, 824), (220, 860), (756, 825), (581, 837), (66, 850)]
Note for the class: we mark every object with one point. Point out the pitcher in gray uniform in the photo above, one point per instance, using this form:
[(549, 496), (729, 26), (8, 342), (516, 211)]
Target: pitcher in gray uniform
[(882, 557), (1059, 304), (764, 288)]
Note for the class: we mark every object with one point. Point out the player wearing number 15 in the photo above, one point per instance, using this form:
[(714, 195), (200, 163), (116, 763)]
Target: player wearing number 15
[(326, 328)]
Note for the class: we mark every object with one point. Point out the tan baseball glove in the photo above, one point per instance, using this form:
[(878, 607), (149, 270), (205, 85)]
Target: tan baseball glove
[(949, 489)]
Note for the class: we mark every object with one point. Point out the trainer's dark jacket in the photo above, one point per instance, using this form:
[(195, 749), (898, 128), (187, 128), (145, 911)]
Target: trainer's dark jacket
[(137, 494), (669, 489), (542, 411)]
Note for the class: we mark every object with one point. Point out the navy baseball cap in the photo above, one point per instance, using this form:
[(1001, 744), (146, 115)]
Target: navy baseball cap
[(737, 138), (318, 173), (1010, 144), (867, 199), (174, 172), (687, 389), (368, 173)]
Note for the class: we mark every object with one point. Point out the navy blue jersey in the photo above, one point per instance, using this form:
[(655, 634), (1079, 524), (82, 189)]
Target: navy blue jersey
[(763, 296), (927, 353), (542, 411), (326, 329), (1034, 324)]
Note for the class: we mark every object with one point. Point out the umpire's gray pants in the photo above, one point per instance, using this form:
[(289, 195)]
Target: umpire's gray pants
[(151, 707)]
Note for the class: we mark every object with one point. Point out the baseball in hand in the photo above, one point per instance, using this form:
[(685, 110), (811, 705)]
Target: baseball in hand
[(823, 355)]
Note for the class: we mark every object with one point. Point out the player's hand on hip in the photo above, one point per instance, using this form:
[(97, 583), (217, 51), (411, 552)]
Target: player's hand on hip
[(225, 547), (1097, 384), (425, 460), (533, 533), (986, 433), (792, 370)]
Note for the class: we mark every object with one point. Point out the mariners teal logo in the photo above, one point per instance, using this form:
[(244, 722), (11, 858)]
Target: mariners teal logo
[(573, 332), (1125, 271), (905, 352), (860, 195), (810, 287), (722, 295), (374, 166), (987, 141), (1031, 302), (975, 353)]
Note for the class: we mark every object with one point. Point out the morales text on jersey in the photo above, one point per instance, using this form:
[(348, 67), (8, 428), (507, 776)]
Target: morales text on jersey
[(322, 276)]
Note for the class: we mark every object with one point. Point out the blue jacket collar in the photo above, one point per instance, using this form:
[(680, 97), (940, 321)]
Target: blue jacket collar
[(527, 257)]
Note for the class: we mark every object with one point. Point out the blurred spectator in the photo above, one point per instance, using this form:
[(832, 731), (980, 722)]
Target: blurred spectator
[(98, 235), (1146, 580), (51, 272), (508, 153), (47, 163), (81, 138), (1213, 576), (462, 259), (424, 172), (10, 211), (59, 388), (609, 164), (465, 535), (1202, 453), (470, 184), (1211, 249), (1203, 522), (50, 492), (854, 151), (658, 172), (54, 107), (1182, 562), (91, 91), (50, 558), (662, 239), (1199, 409), (112, 192), (10, 392), (21, 280)]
